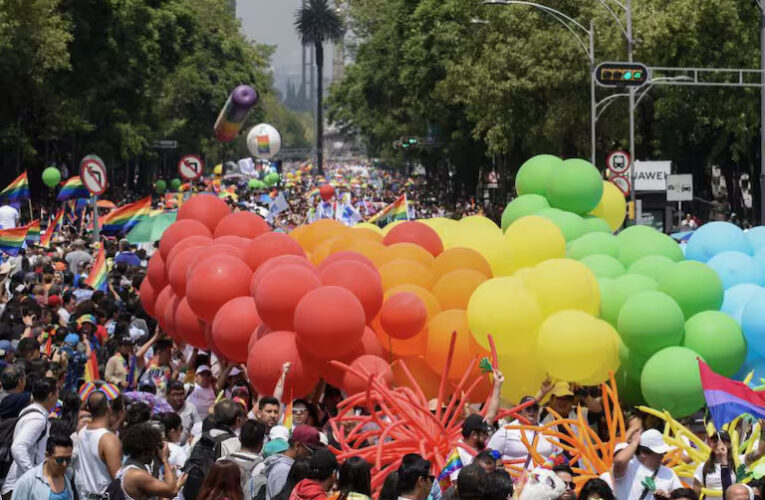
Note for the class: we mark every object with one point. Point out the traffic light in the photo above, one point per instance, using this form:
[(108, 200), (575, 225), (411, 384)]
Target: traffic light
[(622, 74), (413, 141)]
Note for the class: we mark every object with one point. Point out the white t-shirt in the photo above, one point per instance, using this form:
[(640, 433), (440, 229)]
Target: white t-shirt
[(714, 480), (630, 487), (202, 398), (508, 442), (465, 457), (9, 217)]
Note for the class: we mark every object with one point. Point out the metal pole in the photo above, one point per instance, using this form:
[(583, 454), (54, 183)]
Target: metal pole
[(593, 105), (762, 111), (96, 226), (632, 113)]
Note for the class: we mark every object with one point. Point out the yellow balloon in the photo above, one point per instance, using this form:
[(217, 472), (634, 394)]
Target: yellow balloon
[(523, 375), (486, 240), (367, 225), (478, 221), (572, 346), (534, 239), (560, 284), (612, 207), (610, 362), (218, 169), (504, 309)]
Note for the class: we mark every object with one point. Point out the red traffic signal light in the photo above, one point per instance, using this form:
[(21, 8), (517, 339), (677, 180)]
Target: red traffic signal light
[(622, 74)]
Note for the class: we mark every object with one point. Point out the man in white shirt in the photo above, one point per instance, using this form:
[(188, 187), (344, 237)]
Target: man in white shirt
[(176, 398), (638, 464), (9, 217), (202, 396)]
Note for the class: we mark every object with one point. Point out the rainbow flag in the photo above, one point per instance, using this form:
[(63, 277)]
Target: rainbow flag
[(12, 239), (17, 190), (73, 188), (287, 421), (452, 465), (53, 226), (313, 192), (398, 210), (49, 345), (97, 277), (124, 218), (91, 368), (33, 232)]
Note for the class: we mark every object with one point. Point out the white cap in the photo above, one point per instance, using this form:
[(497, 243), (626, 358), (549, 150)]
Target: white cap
[(203, 368), (654, 441), (279, 432), (234, 372)]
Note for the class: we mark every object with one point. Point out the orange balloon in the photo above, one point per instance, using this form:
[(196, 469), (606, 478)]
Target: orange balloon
[(368, 234), (454, 289), (319, 231), (369, 249), (424, 376), (460, 258), (415, 345), (403, 315), (417, 233), (440, 331), (408, 251), (321, 251), (401, 272)]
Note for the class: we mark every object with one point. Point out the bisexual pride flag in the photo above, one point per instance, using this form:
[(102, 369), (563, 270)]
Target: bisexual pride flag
[(727, 399)]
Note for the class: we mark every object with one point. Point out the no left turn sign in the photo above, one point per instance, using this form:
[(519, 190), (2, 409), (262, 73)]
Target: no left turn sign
[(93, 174), (191, 167)]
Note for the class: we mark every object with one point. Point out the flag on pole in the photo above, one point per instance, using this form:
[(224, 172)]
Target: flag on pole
[(33, 232), (393, 212), (17, 190), (727, 399), (287, 421), (97, 277), (91, 367), (73, 188), (11, 240), (124, 218), (53, 226), (452, 465)]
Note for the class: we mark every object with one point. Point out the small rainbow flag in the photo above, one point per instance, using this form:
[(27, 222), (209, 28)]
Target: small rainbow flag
[(91, 368), (393, 212), (49, 345), (73, 188), (53, 226), (453, 464), (313, 192), (18, 189), (287, 421), (124, 218), (12, 239), (33, 232), (97, 277)]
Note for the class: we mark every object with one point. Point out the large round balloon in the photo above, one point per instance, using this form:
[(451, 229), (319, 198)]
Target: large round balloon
[(329, 322), (264, 141), (51, 176), (406, 251), (276, 262), (460, 258), (346, 255), (400, 272), (735, 299), (652, 266), (189, 242), (716, 237), (417, 233), (188, 326), (265, 361), (735, 268), (593, 244), (570, 224), (718, 339), (413, 346), (614, 293), (179, 230), (403, 315), (270, 245), (440, 331), (213, 251), (522, 206), (604, 266), (655, 243), (576, 186), (155, 271), (326, 191), (179, 268), (160, 186), (756, 237), (244, 224), (148, 296), (163, 297), (360, 279), (612, 206), (234, 324), (205, 208), (453, 290), (671, 381), (560, 284), (367, 365), (650, 321), (753, 322), (535, 173), (279, 292), (694, 286), (533, 239), (215, 281)]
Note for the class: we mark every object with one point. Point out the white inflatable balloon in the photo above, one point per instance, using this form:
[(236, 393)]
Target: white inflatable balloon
[(264, 141)]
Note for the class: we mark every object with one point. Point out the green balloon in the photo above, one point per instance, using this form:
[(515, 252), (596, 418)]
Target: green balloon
[(653, 266), (577, 186), (175, 184), (718, 338), (604, 266), (631, 362), (670, 381), (649, 322), (522, 206), (629, 389), (614, 293), (534, 173), (570, 224), (51, 177), (593, 224), (695, 287), (633, 249), (252, 183), (635, 232), (160, 186), (593, 244)]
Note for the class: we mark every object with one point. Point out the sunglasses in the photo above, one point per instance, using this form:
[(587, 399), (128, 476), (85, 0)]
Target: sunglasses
[(63, 460), (299, 411)]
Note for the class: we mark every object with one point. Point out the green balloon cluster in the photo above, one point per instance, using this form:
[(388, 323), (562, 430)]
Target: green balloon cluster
[(650, 321), (160, 186), (525, 204), (175, 184), (604, 266), (670, 381), (51, 176), (576, 186), (718, 338), (256, 184), (695, 286), (593, 244), (534, 175), (271, 179)]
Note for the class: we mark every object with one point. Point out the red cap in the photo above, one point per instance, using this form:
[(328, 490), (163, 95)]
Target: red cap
[(307, 436), (54, 301)]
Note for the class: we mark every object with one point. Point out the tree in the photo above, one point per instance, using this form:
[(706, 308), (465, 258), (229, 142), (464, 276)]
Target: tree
[(317, 22)]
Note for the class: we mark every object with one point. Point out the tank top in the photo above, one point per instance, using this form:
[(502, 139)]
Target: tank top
[(121, 477), (91, 474)]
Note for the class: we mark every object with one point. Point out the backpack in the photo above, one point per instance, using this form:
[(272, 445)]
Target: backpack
[(203, 455), (7, 427), (246, 465)]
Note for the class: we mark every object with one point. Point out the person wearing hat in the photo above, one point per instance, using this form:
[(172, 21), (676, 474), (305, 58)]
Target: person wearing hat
[(509, 443), (202, 396), (323, 467), (77, 354), (303, 443), (718, 473), (563, 399), (123, 368), (641, 459), (475, 433)]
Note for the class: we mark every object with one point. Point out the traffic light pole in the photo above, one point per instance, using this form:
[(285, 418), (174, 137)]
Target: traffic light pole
[(593, 102), (628, 10), (761, 5)]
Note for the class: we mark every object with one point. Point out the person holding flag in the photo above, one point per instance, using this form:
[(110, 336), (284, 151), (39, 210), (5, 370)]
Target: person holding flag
[(123, 368)]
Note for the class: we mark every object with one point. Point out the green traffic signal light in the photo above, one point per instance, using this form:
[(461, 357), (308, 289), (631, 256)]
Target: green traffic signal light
[(413, 140), (638, 75), (627, 75)]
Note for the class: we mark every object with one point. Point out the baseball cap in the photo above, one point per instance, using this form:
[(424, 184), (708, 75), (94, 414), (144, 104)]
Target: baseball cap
[(307, 436), (476, 423), (654, 441), (274, 446), (279, 432), (126, 340), (72, 338), (323, 462), (561, 390), (6, 347), (202, 369)]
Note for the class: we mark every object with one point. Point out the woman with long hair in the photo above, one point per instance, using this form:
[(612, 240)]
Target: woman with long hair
[(223, 481), (354, 480), (719, 471), (389, 490), (596, 489)]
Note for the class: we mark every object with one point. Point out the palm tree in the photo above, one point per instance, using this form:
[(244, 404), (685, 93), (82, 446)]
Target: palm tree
[(317, 22)]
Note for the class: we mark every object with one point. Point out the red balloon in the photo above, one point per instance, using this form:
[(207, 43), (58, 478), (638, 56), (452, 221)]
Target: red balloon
[(265, 360), (276, 262), (188, 326), (346, 255), (179, 230), (233, 326), (367, 365), (326, 191), (178, 269), (234, 241), (205, 208), (214, 251), (211, 341), (244, 224), (155, 271), (215, 281), (172, 304), (329, 322), (403, 315), (280, 291), (369, 344), (364, 282), (148, 296), (190, 242), (417, 233), (270, 245), (159, 305), (261, 331)]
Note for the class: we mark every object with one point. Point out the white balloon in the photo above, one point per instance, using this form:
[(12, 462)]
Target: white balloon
[(264, 141)]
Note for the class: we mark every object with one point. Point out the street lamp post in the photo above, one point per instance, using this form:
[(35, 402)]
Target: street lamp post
[(761, 5)]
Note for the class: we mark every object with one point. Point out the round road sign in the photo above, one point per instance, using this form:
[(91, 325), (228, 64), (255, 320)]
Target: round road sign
[(622, 183), (618, 161), (93, 174), (190, 167)]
